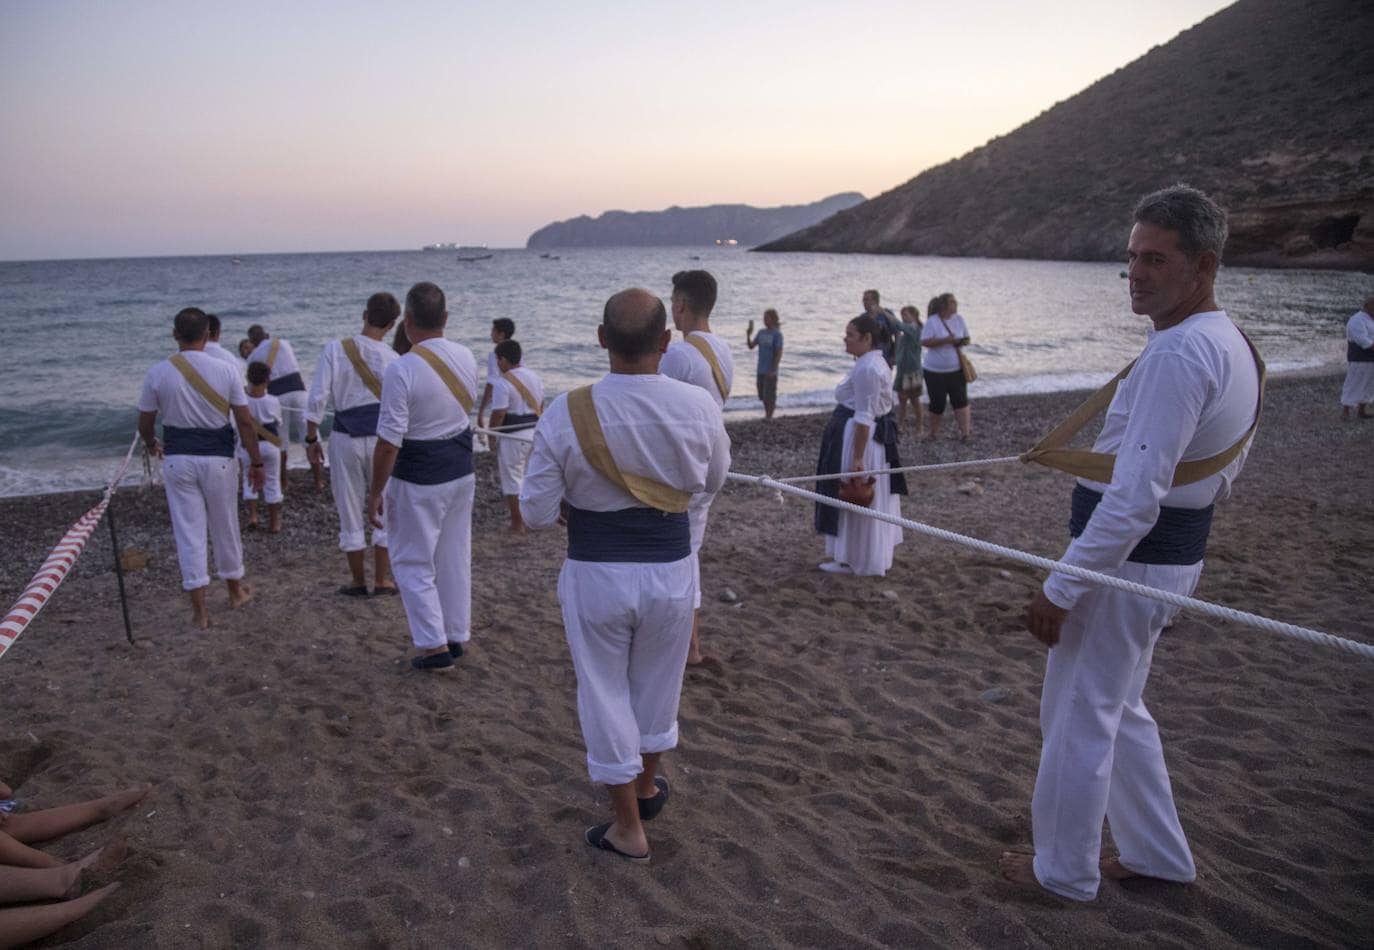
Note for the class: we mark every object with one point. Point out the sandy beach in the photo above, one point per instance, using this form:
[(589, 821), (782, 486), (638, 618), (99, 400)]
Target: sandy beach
[(851, 764)]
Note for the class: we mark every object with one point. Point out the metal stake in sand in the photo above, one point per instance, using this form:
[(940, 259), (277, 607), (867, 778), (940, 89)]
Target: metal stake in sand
[(119, 573)]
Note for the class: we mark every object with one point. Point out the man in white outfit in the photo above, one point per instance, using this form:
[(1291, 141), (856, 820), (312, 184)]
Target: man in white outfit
[(348, 380), (288, 386), (623, 457), (702, 359), (1190, 399), (195, 395), (422, 480), (516, 403), (1358, 391), (212, 347)]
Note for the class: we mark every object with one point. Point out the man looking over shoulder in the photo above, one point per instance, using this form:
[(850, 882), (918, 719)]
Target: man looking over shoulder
[(422, 467), (702, 359), (348, 380), (1178, 426), (196, 395), (623, 457)]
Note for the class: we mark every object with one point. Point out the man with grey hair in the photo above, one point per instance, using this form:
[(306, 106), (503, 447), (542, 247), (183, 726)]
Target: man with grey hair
[(1174, 438)]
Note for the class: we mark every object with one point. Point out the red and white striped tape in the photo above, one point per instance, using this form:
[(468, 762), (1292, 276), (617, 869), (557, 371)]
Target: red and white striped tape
[(59, 563)]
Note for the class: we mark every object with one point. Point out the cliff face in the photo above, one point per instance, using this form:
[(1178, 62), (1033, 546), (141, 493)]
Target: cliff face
[(743, 223), (1267, 105)]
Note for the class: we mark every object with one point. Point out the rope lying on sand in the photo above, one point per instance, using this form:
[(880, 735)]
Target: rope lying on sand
[(59, 563), (1191, 603)]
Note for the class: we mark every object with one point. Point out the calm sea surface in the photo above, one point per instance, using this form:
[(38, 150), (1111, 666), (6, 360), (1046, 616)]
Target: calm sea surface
[(82, 333)]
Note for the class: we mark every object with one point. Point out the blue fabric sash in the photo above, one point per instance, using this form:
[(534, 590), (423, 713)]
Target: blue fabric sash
[(272, 427), (358, 421), (1179, 536), (513, 422), (827, 518), (189, 441), (290, 383), (434, 461), (1358, 354), (630, 535)]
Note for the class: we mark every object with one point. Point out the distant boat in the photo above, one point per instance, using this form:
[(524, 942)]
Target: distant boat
[(549, 257), (727, 242), (469, 258), (467, 249)]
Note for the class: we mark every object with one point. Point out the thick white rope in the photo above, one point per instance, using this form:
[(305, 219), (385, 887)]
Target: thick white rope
[(971, 463), (1191, 603)]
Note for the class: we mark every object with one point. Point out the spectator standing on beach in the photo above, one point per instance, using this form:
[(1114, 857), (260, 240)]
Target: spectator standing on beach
[(702, 359), (891, 325), (266, 413), (1358, 391), (196, 395), (212, 347), (906, 380), (502, 329), (422, 480), (288, 386), (944, 333), (623, 457), (348, 381), (1191, 396), (769, 343), (517, 401)]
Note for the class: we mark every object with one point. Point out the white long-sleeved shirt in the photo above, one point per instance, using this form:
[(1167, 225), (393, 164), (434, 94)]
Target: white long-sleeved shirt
[(1191, 395), (867, 388), (1359, 329), (212, 348), (167, 392), (655, 427), (416, 404), (336, 384), (285, 363), (506, 397), (682, 361)]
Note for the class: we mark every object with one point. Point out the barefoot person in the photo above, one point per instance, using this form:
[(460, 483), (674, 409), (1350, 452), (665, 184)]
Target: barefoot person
[(195, 395), (422, 467), (288, 386), (906, 379), (1358, 391), (348, 380), (944, 333), (266, 413), (769, 343), (1186, 408), (516, 402), (626, 454), (702, 359)]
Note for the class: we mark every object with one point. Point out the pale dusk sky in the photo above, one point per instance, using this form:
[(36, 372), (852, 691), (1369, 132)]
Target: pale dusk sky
[(159, 127)]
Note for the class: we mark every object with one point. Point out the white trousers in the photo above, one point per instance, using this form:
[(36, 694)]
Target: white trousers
[(1359, 384), (430, 540), (201, 495), (271, 465), (628, 627), (866, 544), (1101, 754), (350, 475), (698, 511), (293, 417), (511, 457)]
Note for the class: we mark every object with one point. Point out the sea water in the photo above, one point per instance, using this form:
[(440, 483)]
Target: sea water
[(79, 335)]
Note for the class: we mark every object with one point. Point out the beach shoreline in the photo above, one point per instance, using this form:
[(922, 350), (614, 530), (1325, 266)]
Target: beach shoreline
[(848, 772)]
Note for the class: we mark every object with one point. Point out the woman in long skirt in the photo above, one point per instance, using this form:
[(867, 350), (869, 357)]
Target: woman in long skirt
[(861, 436)]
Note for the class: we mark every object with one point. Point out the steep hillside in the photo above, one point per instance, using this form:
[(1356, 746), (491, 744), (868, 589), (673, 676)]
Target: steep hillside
[(742, 223), (1268, 105)]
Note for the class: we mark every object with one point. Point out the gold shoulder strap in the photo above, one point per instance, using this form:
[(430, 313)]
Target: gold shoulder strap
[(524, 392), (592, 441), (199, 384), (369, 378), (454, 384), (215, 399), (1098, 466), (709, 355), (272, 353)]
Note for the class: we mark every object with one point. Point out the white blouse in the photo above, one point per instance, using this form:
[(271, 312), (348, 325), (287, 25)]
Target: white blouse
[(867, 388)]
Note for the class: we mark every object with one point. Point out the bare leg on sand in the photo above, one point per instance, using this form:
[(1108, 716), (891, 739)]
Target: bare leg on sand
[(694, 655), (30, 827), (381, 569), (239, 593), (200, 614), (36, 884), (517, 522), (1019, 868), (21, 925)]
